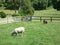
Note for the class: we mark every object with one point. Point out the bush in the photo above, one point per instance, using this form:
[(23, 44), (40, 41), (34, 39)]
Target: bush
[(0, 5), (12, 6), (2, 15), (15, 15), (19, 14), (22, 14)]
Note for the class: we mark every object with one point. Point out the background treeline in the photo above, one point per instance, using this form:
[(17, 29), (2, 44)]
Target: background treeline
[(37, 4), (27, 7)]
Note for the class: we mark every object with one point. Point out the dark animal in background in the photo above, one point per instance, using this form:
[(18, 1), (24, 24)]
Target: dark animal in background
[(45, 21)]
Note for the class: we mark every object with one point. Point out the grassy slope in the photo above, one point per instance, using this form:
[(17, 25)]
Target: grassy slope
[(48, 12), (36, 34), (2, 9), (8, 11)]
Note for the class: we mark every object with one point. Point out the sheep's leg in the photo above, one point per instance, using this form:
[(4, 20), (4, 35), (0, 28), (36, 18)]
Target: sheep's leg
[(22, 34), (16, 33)]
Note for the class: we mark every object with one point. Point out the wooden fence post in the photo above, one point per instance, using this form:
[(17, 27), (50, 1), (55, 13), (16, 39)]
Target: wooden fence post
[(30, 18), (7, 19), (40, 18), (51, 19)]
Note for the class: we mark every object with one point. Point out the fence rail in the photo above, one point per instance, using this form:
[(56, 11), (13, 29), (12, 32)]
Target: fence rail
[(51, 18), (28, 18)]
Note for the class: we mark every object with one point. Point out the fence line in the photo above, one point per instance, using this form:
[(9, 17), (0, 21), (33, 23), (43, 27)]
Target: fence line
[(51, 18), (28, 18)]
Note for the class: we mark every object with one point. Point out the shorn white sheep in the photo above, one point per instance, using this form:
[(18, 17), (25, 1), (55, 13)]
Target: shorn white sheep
[(18, 30)]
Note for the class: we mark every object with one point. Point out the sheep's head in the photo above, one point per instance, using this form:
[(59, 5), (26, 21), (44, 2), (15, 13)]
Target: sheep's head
[(13, 33)]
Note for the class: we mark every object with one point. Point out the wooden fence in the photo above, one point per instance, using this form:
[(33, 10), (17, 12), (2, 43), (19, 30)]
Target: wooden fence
[(28, 18), (51, 18)]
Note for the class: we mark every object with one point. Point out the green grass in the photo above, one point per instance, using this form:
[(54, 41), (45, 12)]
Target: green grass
[(8, 11), (48, 12), (2, 9), (36, 33)]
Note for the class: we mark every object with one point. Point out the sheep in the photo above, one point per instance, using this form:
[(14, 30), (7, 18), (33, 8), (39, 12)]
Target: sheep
[(18, 30), (44, 21)]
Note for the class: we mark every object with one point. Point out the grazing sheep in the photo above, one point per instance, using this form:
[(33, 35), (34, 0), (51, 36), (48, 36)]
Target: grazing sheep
[(18, 30), (44, 21)]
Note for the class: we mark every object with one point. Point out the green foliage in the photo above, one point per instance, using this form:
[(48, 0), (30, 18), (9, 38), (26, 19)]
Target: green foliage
[(2, 15), (19, 14), (40, 4), (14, 15), (56, 4), (0, 5), (49, 3), (26, 7), (22, 14), (12, 6)]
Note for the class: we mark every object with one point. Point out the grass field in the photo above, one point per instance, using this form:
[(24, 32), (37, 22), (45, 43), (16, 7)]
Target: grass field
[(48, 12), (8, 11), (36, 33)]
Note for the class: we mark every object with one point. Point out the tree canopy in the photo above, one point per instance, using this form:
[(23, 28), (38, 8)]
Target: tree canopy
[(28, 6)]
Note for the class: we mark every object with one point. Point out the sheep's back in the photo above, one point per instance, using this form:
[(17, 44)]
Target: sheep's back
[(20, 29)]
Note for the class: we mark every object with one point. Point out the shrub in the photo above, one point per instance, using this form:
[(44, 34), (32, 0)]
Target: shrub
[(15, 15), (12, 6), (0, 5), (19, 14), (22, 14), (2, 15)]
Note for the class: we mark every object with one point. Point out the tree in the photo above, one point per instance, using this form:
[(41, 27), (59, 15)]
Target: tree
[(26, 7), (12, 4), (40, 4), (49, 3), (56, 4)]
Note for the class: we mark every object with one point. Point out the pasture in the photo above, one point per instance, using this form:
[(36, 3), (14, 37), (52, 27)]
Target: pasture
[(48, 12), (36, 33)]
